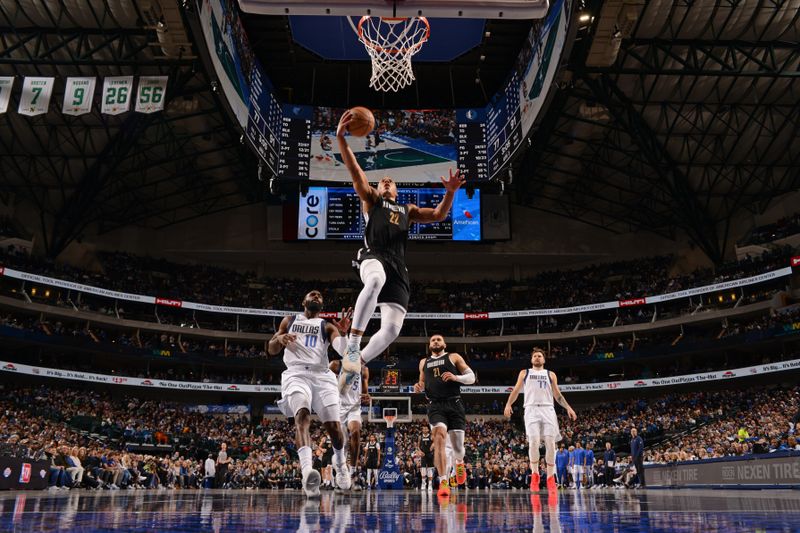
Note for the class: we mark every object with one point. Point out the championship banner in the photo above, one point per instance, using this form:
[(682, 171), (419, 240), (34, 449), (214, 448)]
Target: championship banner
[(35, 97), (116, 95), (150, 94), (78, 96), (6, 84)]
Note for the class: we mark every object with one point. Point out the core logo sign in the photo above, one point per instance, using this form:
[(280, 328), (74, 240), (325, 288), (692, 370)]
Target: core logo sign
[(312, 215)]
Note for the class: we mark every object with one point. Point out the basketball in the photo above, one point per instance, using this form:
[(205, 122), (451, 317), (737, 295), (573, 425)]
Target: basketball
[(363, 122)]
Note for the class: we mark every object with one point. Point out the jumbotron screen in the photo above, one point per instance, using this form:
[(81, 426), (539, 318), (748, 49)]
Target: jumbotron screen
[(334, 213)]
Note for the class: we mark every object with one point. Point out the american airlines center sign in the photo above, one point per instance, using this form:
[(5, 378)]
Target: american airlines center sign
[(75, 375), (312, 226)]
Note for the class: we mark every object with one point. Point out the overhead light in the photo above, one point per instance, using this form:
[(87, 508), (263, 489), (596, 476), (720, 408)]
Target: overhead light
[(584, 17)]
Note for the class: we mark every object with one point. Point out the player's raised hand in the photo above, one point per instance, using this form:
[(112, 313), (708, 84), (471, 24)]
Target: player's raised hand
[(343, 325), (347, 117), (454, 182), (508, 411)]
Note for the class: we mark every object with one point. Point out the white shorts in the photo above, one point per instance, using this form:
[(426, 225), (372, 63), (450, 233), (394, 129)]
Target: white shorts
[(542, 421), (350, 413), (316, 390)]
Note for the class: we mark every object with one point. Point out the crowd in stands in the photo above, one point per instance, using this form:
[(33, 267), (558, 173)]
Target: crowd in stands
[(87, 437), (562, 288), (784, 227), (160, 346), (745, 422)]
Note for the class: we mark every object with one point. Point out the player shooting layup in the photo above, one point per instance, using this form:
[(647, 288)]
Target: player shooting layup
[(382, 263), (308, 383), (440, 377), (541, 387)]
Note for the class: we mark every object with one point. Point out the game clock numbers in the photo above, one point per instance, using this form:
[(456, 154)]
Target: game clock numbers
[(390, 380)]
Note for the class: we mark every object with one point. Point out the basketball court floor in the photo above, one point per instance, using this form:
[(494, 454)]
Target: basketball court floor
[(403, 511)]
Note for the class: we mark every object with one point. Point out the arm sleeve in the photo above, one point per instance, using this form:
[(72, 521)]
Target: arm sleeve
[(339, 344), (467, 378)]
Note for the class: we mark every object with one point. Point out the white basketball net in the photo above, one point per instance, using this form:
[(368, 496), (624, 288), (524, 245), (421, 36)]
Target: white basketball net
[(391, 43)]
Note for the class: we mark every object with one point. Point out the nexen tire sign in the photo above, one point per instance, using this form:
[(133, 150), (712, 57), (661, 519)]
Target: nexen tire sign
[(313, 214)]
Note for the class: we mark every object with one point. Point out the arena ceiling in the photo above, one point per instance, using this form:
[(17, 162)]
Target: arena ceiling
[(695, 118), (669, 116)]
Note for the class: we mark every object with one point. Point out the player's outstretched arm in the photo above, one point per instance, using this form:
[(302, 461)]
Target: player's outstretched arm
[(337, 331), (557, 396), (282, 338), (508, 411), (367, 193), (424, 215)]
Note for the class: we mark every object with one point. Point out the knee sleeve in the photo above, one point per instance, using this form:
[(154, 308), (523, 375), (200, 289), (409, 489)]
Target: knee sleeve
[(457, 441), (392, 317), (373, 276)]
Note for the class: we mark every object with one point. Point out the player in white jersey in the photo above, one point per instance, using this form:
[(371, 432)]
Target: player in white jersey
[(350, 412), (307, 384), (541, 388)]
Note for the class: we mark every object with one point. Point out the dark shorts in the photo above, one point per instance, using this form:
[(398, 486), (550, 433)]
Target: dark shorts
[(372, 464), (449, 412), (326, 459), (397, 288), (427, 461)]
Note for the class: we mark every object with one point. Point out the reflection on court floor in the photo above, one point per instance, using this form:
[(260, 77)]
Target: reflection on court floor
[(485, 511)]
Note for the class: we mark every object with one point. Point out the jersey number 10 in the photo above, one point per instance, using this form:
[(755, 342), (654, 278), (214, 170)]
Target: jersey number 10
[(311, 341)]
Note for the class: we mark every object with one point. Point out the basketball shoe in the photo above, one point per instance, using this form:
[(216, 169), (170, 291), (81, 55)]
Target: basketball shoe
[(535, 481), (444, 489), (461, 473), (551, 484), (351, 367), (343, 480), (311, 481)]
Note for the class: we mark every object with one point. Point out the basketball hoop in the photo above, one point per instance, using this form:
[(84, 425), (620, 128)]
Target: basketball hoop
[(391, 42), (389, 416)]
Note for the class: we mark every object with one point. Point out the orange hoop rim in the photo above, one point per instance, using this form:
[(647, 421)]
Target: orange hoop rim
[(367, 42)]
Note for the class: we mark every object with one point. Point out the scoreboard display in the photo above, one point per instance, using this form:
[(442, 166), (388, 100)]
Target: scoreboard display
[(471, 138), (334, 213), (390, 380), (298, 142), (295, 148), (503, 126)]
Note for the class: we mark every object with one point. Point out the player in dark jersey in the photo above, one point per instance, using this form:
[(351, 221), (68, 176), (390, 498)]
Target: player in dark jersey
[(425, 446), (327, 458), (382, 263), (372, 451), (440, 377)]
